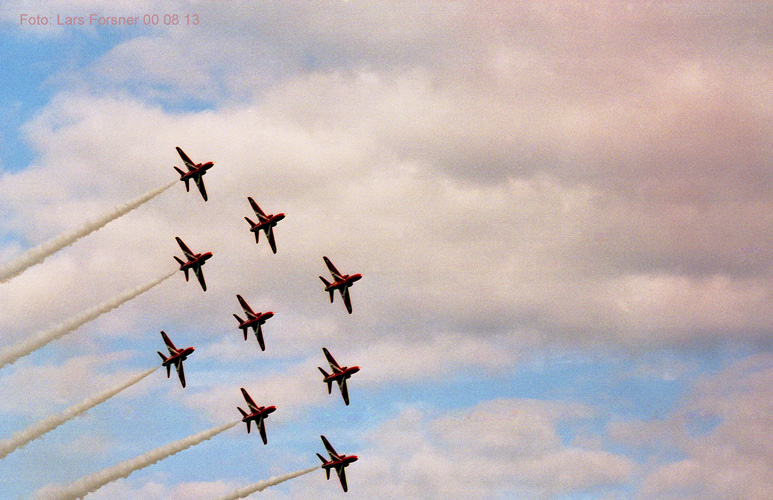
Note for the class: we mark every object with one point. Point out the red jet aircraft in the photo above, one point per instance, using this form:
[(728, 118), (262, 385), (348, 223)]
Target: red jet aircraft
[(341, 282), (195, 172), (265, 223), (176, 358), (254, 320), (195, 261), (257, 414), (337, 462), (339, 375)]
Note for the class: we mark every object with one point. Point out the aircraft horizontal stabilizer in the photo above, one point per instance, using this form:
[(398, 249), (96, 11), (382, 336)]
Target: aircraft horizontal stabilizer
[(327, 471), (244, 414), (185, 180), (329, 382), (168, 367), (244, 329)]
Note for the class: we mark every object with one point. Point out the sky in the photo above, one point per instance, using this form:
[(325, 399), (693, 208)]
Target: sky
[(561, 212)]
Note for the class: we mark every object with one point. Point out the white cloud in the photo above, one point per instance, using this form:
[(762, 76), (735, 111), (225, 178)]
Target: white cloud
[(75, 379), (720, 433), (498, 447)]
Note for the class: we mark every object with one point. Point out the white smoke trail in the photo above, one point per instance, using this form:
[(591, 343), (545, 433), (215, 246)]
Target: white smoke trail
[(262, 485), (37, 341), (89, 484), (37, 430), (39, 253)]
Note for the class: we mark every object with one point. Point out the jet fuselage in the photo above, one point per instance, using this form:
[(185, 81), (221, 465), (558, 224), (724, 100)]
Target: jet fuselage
[(271, 221), (263, 412), (258, 320), (343, 461), (181, 356), (345, 373), (198, 260), (344, 282), (199, 169)]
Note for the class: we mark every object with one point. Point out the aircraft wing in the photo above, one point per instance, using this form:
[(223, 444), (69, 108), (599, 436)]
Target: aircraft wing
[(250, 402), (259, 335), (187, 251), (330, 450), (247, 309), (336, 275), (200, 184), (255, 208), (347, 298), (341, 471), (200, 275), (185, 159), (180, 372), (344, 390), (333, 365), (262, 428), (270, 236), (169, 344)]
